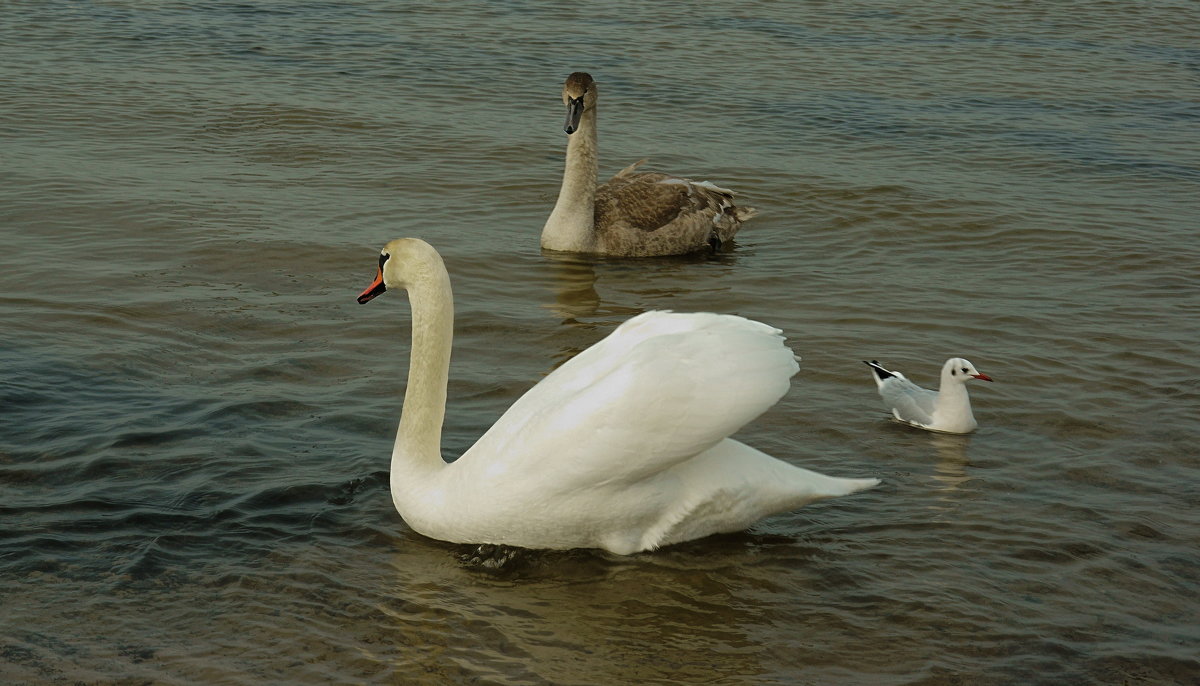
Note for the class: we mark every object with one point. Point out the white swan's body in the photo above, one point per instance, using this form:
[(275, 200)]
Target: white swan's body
[(634, 214), (625, 447), (947, 410)]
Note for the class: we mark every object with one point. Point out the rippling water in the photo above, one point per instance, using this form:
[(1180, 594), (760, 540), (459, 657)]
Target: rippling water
[(195, 416)]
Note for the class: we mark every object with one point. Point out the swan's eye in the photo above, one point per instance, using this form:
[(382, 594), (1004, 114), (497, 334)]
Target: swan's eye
[(383, 257)]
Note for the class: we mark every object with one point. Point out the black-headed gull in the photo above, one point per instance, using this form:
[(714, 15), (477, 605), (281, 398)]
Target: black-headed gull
[(947, 410)]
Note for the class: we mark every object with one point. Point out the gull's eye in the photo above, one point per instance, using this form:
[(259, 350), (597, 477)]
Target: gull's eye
[(964, 370)]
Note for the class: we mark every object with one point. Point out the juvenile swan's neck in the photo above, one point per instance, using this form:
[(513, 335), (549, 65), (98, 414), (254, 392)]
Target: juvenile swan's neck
[(569, 227), (419, 438)]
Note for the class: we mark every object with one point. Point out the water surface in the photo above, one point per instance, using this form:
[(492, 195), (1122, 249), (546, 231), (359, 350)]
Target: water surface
[(195, 416)]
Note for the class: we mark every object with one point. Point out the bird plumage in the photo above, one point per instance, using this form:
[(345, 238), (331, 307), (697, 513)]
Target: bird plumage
[(633, 214), (946, 410)]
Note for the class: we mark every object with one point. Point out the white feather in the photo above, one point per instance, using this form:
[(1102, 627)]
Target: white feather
[(947, 410), (625, 447)]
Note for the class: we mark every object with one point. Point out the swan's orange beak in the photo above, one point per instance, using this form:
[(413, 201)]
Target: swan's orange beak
[(374, 289), (981, 377)]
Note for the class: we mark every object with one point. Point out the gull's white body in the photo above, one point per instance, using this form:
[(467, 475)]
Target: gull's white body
[(947, 410), (633, 214), (625, 447)]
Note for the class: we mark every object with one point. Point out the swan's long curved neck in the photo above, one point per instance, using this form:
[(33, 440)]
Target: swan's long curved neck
[(570, 226), (419, 437)]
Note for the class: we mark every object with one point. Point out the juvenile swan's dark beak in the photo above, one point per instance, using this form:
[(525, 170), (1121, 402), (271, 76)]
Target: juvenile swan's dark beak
[(574, 114)]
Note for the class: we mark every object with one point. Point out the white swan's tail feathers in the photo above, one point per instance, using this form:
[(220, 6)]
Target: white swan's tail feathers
[(812, 486), (821, 486), (856, 485)]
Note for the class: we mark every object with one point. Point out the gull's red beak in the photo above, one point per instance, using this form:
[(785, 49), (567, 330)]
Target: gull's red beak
[(981, 377), (377, 287)]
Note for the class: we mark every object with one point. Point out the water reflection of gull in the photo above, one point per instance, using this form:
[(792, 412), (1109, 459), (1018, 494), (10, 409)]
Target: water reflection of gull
[(952, 460)]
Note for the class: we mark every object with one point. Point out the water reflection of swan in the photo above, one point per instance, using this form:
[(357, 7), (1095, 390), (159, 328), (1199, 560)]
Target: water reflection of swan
[(578, 617), (625, 447), (575, 278), (575, 294)]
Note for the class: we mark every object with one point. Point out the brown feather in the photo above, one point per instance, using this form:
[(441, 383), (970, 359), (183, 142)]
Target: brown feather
[(640, 201)]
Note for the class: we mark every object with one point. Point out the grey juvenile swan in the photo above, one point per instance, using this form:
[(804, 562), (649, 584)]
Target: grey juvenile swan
[(633, 214)]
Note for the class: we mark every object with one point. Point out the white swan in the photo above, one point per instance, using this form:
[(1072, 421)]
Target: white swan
[(948, 410), (633, 214), (625, 447)]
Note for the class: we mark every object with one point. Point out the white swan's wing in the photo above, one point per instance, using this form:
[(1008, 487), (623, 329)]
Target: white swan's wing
[(909, 402), (656, 391)]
